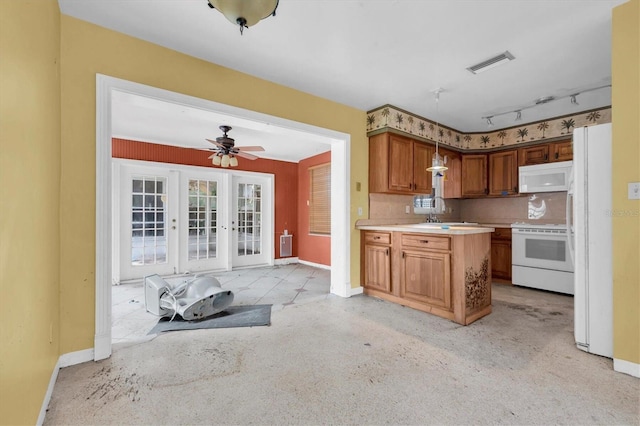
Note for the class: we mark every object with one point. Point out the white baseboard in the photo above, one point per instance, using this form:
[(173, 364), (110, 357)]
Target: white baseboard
[(626, 367), (73, 358), (47, 395), (65, 360), (315, 265), (357, 290), (285, 261)]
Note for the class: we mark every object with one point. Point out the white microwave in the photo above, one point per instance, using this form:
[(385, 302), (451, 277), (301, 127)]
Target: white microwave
[(548, 177)]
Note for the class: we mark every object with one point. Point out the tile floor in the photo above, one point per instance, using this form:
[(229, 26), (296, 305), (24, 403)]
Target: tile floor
[(281, 286)]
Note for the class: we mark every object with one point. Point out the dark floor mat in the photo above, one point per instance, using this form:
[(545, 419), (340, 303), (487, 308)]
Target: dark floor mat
[(233, 316)]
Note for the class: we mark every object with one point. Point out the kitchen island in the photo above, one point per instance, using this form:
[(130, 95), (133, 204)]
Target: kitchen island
[(439, 269)]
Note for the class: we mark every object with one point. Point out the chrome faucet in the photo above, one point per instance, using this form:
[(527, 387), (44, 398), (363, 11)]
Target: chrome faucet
[(432, 218)]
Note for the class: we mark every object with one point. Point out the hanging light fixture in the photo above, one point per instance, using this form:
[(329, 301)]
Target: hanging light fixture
[(437, 164), (245, 13), (233, 161)]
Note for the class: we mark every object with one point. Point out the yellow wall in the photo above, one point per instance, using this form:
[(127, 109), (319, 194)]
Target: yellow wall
[(88, 49), (29, 214), (626, 165)]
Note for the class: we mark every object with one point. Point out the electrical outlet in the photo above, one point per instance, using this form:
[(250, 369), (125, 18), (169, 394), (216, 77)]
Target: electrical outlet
[(359, 211), (407, 209), (634, 190)]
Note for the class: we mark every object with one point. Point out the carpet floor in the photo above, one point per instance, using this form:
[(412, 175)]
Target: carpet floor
[(359, 361)]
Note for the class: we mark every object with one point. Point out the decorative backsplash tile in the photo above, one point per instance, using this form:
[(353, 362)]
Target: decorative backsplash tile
[(390, 117)]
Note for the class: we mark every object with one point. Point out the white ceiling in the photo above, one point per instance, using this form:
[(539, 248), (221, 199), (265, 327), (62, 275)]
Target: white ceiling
[(367, 53)]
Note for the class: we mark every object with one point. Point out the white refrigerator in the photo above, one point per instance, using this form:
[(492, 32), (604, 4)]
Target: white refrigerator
[(589, 215)]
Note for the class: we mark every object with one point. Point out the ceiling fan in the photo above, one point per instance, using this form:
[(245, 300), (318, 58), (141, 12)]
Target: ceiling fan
[(225, 151)]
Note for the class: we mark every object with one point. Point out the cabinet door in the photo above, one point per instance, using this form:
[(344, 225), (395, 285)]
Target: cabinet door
[(537, 154), (377, 267), (422, 158), (562, 151), (400, 164), (503, 173), (474, 175), (501, 259), (426, 277), (452, 180)]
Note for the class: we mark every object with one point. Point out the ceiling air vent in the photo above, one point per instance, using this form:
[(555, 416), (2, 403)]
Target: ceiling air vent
[(491, 62)]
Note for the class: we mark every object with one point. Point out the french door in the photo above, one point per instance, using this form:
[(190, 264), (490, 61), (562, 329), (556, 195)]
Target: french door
[(179, 219)]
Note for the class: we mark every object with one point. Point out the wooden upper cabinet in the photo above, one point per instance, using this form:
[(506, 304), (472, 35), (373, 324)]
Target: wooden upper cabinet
[(536, 154), (452, 180), (400, 163), (503, 173), (474, 175), (561, 151), (397, 165), (546, 153), (422, 158)]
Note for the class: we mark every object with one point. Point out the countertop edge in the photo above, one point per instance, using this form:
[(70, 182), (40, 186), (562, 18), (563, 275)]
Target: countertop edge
[(452, 230)]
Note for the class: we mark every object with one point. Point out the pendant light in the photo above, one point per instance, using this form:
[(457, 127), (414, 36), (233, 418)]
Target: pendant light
[(437, 164)]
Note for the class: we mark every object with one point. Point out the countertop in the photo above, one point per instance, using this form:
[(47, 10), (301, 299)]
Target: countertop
[(430, 228)]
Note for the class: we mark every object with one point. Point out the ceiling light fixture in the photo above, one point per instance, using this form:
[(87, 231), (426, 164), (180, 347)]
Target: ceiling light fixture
[(489, 122), (518, 115), (574, 101), (437, 163), (491, 62), (245, 13)]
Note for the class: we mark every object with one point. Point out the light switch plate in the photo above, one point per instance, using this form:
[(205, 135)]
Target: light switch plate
[(407, 209), (634, 190), (359, 211)]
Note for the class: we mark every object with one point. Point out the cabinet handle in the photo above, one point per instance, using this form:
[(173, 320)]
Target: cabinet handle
[(556, 155), (376, 238), (486, 190), (386, 252), (403, 255), (424, 241), (515, 189), (546, 156)]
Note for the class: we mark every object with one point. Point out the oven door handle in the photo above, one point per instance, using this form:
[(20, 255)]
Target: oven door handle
[(569, 219)]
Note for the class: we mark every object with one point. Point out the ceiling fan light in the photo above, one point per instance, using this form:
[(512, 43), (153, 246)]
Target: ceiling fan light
[(233, 162), (216, 160), (245, 13), (224, 162)]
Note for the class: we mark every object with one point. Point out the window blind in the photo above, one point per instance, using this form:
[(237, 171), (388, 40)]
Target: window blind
[(320, 199)]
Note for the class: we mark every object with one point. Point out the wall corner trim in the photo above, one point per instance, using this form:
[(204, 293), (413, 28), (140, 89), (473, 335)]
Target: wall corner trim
[(626, 367), (315, 265)]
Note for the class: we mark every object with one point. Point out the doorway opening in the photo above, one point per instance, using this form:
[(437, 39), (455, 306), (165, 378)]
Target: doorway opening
[(340, 172)]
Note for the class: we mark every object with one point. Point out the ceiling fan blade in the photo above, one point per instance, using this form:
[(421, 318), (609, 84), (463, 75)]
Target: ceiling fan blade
[(246, 155), (250, 148), (216, 143)]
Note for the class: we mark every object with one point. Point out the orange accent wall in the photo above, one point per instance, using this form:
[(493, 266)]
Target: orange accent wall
[(286, 177), (311, 248)]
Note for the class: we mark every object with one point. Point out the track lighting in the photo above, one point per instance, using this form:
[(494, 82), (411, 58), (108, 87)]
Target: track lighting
[(541, 101)]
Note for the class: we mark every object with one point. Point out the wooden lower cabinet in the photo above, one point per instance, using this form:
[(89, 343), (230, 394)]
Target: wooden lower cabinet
[(501, 254), (445, 275), (426, 277), (376, 261), (377, 267)]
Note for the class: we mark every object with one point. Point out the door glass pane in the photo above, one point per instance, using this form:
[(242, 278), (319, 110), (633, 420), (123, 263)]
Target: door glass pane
[(148, 241), (203, 219), (249, 219)]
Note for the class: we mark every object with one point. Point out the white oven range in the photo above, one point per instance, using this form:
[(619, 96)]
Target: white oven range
[(541, 258)]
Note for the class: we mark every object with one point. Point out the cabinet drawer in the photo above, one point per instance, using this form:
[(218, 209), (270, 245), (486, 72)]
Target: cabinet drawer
[(425, 241), (377, 238), (501, 234)]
